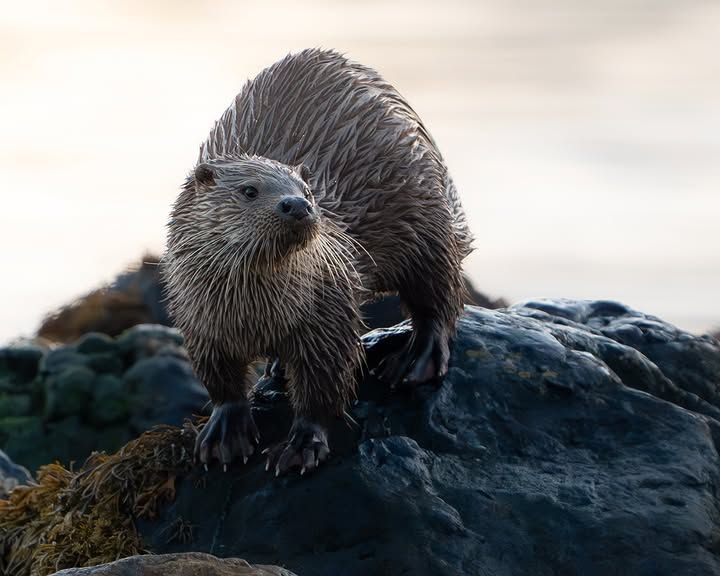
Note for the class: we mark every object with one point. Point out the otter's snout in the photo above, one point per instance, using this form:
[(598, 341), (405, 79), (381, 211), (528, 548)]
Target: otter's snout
[(293, 208)]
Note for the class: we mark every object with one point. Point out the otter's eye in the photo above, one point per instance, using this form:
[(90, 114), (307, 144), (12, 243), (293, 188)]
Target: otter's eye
[(250, 192)]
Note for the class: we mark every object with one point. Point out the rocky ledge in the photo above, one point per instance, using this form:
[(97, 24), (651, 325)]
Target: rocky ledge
[(568, 438), (188, 564)]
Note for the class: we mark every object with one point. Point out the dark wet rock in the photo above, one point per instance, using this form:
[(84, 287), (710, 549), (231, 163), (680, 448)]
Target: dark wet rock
[(150, 339), (163, 389), (11, 475), (94, 343), (15, 405), (18, 366), (555, 445), (94, 395), (190, 564), (68, 392), (110, 403), (688, 366)]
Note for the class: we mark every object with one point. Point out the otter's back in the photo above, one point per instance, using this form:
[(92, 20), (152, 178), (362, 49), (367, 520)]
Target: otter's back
[(357, 135)]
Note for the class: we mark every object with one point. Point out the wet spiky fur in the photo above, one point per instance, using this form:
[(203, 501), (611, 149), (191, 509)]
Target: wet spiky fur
[(390, 221)]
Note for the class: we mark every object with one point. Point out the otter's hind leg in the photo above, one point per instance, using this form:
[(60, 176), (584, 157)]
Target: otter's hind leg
[(424, 358), (230, 433), (433, 293)]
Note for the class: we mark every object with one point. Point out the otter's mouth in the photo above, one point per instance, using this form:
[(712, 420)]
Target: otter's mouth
[(299, 233)]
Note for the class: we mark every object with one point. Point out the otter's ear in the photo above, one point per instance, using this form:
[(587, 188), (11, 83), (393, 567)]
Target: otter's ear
[(304, 172), (204, 174)]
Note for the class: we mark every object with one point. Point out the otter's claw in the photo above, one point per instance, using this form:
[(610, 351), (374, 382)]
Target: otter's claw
[(424, 358), (230, 433), (305, 448)]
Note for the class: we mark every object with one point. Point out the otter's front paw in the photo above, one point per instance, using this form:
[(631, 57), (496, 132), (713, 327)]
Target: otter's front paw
[(229, 433), (305, 448)]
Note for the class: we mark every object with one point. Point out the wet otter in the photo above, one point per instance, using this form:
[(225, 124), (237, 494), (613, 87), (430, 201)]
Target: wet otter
[(317, 188)]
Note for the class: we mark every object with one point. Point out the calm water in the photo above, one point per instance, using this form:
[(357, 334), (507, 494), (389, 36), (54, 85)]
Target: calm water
[(584, 136)]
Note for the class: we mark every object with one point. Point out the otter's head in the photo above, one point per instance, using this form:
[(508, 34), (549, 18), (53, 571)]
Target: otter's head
[(255, 204)]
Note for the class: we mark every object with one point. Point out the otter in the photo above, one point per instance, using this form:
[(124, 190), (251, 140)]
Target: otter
[(317, 189)]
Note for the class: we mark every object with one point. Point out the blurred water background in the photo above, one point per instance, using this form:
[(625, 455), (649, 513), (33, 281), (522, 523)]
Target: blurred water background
[(583, 135)]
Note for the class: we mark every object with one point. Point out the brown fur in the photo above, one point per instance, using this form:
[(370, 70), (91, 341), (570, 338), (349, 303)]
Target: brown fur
[(390, 221)]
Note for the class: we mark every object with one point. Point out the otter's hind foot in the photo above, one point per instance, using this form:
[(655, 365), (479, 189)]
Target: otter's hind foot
[(424, 358), (229, 433), (305, 448)]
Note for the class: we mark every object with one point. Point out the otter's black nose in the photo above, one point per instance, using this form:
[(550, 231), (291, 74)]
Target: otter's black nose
[(293, 208)]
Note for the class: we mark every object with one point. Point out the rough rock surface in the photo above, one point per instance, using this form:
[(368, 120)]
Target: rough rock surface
[(190, 564), (568, 438), (93, 395), (11, 475)]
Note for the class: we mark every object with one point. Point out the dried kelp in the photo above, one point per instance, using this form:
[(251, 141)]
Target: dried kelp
[(86, 517)]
